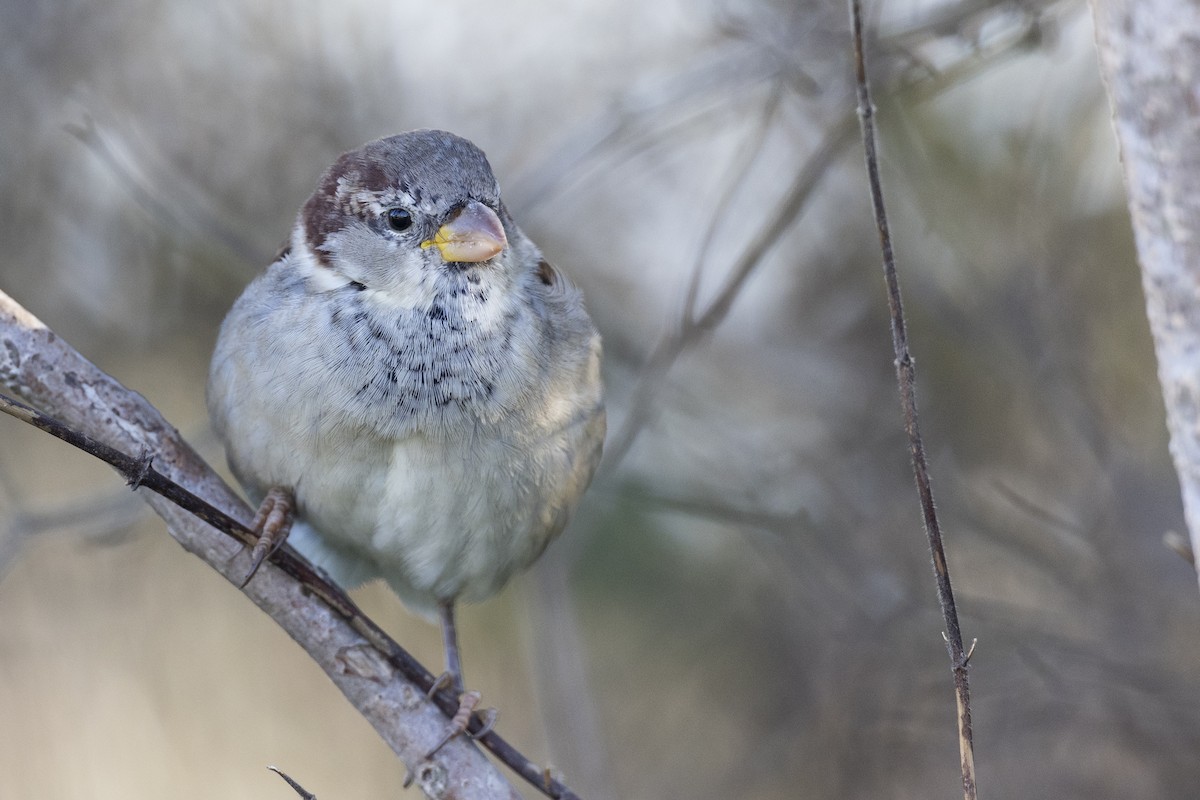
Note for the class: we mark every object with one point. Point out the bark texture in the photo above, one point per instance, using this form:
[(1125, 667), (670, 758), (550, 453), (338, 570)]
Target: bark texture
[(1150, 58)]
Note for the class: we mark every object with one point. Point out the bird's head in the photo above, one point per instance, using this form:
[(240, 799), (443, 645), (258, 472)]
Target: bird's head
[(407, 215)]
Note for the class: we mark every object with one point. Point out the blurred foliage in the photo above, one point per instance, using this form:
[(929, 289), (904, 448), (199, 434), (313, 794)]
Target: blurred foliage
[(753, 610)]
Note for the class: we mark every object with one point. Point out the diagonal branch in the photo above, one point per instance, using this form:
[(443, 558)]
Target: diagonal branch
[(694, 326), (906, 377), (91, 410)]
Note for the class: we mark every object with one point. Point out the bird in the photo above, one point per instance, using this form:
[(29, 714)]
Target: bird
[(410, 391)]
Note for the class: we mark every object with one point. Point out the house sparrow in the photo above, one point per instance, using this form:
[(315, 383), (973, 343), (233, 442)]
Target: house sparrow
[(413, 378)]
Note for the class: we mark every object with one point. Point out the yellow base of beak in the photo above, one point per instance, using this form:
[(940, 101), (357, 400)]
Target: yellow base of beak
[(473, 234)]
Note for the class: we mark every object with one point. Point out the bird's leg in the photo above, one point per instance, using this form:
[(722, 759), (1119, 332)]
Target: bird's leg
[(452, 678), (272, 523), (450, 644)]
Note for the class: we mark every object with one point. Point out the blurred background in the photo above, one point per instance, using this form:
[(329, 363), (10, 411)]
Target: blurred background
[(743, 607)]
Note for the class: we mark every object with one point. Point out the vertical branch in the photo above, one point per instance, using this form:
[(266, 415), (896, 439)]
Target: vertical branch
[(1150, 61), (906, 378)]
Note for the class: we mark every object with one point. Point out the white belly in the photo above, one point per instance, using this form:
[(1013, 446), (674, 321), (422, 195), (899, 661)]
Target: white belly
[(437, 520)]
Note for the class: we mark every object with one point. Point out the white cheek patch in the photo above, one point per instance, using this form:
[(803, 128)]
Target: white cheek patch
[(320, 277), (402, 283)]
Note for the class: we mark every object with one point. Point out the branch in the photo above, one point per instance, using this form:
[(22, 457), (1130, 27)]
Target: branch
[(199, 222), (1151, 65), (906, 378), (694, 326), (91, 410)]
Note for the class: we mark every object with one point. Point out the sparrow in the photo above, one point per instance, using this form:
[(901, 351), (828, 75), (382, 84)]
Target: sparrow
[(411, 388)]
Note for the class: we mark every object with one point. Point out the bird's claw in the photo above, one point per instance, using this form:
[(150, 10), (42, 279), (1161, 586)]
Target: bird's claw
[(272, 523), (443, 681), (467, 703)]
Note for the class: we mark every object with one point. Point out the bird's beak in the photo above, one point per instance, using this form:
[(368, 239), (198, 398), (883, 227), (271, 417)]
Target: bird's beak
[(472, 235)]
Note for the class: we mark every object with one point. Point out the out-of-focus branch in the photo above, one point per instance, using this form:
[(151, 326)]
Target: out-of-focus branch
[(645, 117), (386, 685), (694, 326), (199, 222), (906, 377), (1150, 58)]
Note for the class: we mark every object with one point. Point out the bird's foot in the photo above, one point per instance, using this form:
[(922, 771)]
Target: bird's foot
[(461, 721), (272, 523)]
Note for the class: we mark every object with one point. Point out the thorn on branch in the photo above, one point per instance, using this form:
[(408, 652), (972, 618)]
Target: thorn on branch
[(145, 461), (962, 662), (970, 652), (299, 789)]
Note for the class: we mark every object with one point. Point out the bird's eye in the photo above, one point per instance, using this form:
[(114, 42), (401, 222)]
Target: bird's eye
[(398, 219)]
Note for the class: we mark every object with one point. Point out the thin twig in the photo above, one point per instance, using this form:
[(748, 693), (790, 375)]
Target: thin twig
[(906, 378), (137, 472)]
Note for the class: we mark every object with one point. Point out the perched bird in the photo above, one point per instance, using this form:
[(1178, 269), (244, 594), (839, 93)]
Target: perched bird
[(413, 380)]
